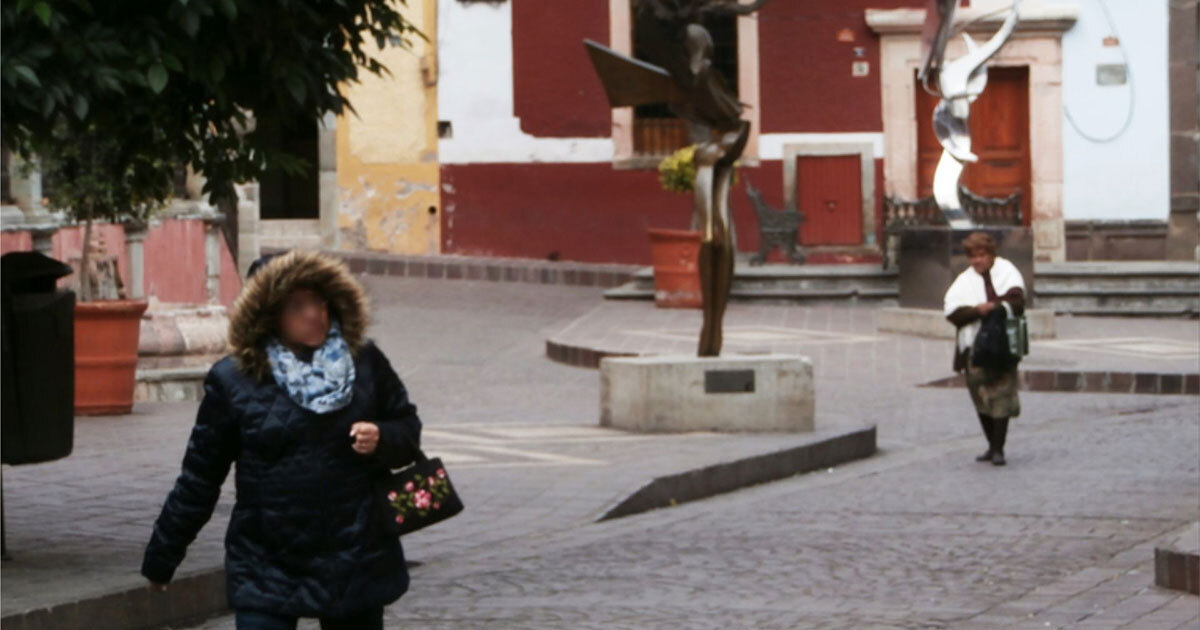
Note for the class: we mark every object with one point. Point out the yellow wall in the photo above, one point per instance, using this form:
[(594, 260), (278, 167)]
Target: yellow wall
[(387, 167)]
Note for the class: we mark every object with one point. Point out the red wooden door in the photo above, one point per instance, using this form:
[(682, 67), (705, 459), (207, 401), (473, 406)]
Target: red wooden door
[(829, 193), (999, 136)]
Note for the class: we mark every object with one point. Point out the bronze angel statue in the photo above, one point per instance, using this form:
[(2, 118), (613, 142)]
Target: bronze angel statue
[(678, 71)]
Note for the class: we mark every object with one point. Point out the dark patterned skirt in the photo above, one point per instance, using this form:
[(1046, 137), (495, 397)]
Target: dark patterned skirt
[(994, 392)]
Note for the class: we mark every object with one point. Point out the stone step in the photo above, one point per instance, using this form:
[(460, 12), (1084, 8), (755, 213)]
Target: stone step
[(1166, 276), (1141, 288), (779, 295), (1121, 305), (812, 281), (1176, 284)]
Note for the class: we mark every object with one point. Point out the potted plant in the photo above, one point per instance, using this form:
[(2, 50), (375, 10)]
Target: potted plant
[(97, 177), (674, 253)]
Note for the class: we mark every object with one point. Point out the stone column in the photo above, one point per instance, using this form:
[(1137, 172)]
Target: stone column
[(1046, 148), (330, 231), (212, 255), (1183, 50), (11, 214), (248, 227), (25, 185), (135, 235), (43, 235)]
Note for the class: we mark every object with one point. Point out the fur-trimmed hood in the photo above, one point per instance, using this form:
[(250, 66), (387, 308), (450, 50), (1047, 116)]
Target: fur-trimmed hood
[(256, 312)]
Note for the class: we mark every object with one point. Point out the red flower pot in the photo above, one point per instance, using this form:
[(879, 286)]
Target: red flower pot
[(676, 275), (106, 352)]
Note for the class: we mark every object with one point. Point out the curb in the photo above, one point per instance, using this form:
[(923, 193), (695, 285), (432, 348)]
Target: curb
[(702, 483), (1177, 562), (1177, 570), (528, 270), (1167, 383), (579, 356), (188, 600)]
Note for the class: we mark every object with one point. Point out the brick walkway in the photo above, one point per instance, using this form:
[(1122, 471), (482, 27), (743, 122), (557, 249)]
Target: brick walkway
[(520, 432)]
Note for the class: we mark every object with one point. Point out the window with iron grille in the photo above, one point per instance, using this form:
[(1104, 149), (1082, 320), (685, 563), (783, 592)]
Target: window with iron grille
[(658, 132)]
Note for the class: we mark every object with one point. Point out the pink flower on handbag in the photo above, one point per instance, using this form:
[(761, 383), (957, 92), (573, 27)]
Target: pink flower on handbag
[(441, 473), (392, 496), (422, 499), (399, 520), (432, 482), (437, 506), (408, 487)]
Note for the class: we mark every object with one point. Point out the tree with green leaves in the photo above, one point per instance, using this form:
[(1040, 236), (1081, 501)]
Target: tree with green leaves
[(111, 96)]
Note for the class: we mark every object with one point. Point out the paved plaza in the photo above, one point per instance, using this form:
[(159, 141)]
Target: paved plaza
[(918, 536)]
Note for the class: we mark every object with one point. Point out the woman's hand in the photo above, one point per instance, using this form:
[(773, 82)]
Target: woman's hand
[(156, 587), (985, 308), (366, 437)]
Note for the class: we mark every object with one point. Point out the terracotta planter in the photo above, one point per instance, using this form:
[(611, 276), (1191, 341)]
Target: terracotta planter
[(106, 352), (676, 274)]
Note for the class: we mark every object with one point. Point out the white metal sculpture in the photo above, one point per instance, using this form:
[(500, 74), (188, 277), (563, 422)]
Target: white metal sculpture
[(958, 83)]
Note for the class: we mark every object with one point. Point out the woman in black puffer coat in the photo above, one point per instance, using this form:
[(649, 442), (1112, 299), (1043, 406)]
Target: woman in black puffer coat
[(313, 415)]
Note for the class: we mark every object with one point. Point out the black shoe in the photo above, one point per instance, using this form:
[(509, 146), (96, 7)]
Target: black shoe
[(986, 457), (998, 460)]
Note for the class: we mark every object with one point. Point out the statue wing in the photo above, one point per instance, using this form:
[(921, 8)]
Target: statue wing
[(628, 81)]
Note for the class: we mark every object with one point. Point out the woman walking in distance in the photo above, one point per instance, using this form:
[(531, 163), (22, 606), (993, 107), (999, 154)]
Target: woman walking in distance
[(988, 283)]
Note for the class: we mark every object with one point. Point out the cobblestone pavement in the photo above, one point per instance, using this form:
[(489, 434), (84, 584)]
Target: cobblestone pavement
[(838, 338), (520, 434), (927, 538)]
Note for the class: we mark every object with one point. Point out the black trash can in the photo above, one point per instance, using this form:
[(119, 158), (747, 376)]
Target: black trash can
[(38, 362)]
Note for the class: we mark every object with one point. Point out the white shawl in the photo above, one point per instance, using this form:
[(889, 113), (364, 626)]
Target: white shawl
[(968, 290)]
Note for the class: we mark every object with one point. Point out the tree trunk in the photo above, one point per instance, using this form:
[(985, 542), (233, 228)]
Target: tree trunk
[(229, 227), (85, 272)]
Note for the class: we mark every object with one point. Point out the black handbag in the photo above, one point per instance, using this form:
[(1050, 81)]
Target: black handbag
[(418, 496), (991, 350)]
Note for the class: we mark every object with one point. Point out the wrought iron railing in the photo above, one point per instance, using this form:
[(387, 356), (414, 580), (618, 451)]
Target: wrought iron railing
[(900, 213)]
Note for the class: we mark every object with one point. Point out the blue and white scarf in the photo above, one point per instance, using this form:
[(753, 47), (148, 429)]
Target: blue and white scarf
[(322, 385)]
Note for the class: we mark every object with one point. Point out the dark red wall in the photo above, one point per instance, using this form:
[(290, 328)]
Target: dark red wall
[(804, 70), (555, 91), (587, 212), (581, 212)]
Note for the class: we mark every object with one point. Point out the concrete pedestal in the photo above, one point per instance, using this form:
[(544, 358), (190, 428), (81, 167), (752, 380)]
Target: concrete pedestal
[(675, 393), (928, 322), (931, 257)]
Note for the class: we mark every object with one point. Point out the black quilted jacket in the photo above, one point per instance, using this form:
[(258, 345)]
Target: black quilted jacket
[(304, 536)]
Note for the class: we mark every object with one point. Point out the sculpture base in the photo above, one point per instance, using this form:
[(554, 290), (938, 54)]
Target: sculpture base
[(931, 257), (664, 394)]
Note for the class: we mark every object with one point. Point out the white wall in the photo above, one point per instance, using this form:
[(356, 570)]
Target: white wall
[(1127, 178), (475, 93)]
